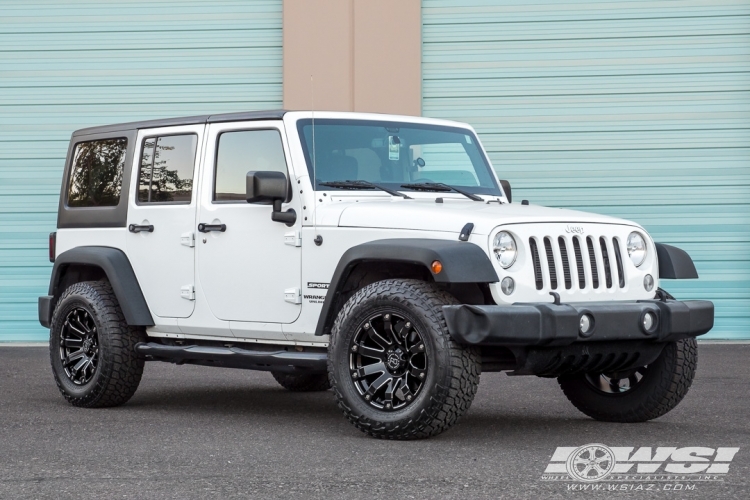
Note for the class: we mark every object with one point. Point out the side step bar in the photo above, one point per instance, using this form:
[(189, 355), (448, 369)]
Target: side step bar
[(236, 357)]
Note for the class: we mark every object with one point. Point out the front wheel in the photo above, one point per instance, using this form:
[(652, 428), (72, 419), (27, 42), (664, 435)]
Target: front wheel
[(637, 395), (395, 371)]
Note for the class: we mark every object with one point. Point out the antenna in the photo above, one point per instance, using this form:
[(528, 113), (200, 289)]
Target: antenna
[(318, 238)]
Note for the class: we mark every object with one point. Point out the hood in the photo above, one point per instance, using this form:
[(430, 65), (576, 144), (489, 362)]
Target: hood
[(449, 216)]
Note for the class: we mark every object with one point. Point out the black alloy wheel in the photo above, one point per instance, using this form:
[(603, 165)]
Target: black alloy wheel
[(79, 346), (388, 361), (617, 382), (395, 371)]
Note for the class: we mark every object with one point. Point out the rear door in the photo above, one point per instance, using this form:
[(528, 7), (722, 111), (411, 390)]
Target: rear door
[(161, 217)]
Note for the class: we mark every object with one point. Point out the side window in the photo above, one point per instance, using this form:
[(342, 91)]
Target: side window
[(166, 169), (241, 152), (96, 174)]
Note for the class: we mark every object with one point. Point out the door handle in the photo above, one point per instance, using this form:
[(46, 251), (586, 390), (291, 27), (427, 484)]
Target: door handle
[(206, 228), (136, 228)]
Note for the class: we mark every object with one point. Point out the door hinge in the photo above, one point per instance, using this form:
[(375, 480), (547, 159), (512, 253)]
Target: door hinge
[(293, 238), (187, 239), (293, 295), (188, 292)]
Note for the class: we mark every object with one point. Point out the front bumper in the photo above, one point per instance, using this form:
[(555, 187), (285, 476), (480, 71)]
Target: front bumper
[(546, 324)]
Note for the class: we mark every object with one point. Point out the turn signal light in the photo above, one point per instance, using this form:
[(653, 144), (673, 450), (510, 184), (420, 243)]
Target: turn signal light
[(437, 266)]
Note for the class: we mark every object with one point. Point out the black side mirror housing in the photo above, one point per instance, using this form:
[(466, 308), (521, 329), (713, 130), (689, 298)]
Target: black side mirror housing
[(266, 186), (506, 189), (270, 187)]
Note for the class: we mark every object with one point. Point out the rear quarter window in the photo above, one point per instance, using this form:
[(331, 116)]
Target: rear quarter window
[(96, 173)]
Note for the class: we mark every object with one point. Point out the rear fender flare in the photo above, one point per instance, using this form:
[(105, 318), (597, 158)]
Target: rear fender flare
[(116, 265)]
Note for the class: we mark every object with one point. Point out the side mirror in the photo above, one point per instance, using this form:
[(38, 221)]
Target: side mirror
[(506, 189), (270, 187)]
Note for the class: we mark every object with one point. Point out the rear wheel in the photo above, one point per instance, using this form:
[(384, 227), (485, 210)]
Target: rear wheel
[(636, 395), (303, 382), (92, 348), (395, 371)]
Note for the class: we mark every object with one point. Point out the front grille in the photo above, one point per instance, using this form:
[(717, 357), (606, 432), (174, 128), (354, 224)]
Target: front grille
[(594, 269)]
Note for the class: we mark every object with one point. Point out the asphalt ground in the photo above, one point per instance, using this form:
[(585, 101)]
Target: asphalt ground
[(195, 432)]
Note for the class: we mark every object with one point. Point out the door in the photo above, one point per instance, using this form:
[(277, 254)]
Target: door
[(161, 218), (249, 266)]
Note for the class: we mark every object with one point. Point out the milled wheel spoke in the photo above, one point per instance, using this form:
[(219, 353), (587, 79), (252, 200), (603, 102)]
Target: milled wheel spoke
[(75, 331), (632, 381), (388, 332), (378, 383), (404, 393), (371, 369), (82, 325), (370, 352), (72, 343), (81, 363), (73, 357), (388, 397), (418, 373), (417, 348), (377, 338)]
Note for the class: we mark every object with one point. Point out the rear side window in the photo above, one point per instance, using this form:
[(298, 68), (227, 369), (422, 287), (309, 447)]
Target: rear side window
[(166, 169), (96, 174)]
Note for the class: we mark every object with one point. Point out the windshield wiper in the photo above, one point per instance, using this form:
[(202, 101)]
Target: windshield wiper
[(362, 185), (440, 188)]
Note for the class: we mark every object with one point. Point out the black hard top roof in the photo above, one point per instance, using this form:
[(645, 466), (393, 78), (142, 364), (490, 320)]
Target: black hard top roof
[(186, 120)]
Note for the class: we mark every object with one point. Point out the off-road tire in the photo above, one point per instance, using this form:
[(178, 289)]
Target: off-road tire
[(119, 367), (663, 386), (451, 381), (313, 382)]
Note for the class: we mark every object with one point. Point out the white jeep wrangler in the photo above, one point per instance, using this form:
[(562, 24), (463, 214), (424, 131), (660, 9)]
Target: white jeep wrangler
[(376, 255)]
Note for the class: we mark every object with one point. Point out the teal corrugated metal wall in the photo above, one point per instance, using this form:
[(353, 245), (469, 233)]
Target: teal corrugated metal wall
[(71, 64), (638, 109)]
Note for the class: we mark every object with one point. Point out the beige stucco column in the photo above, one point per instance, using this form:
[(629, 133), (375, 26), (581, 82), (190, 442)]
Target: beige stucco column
[(363, 55)]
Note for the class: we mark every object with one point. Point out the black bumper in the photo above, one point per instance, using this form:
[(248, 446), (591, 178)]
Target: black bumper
[(547, 324), (45, 310)]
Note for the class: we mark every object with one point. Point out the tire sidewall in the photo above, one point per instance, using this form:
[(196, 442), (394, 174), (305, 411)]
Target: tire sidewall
[(435, 387)]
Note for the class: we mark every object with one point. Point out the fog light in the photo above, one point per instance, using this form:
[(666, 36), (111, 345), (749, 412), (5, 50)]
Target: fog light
[(507, 285), (648, 322), (648, 282), (586, 324)]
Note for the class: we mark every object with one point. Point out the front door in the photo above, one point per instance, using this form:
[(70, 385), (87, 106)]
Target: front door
[(161, 218), (249, 266)]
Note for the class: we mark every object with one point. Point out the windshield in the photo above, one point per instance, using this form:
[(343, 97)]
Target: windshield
[(392, 154)]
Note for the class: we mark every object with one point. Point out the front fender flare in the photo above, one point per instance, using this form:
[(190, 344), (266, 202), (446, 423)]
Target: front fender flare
[(674, 263), (462, 263)]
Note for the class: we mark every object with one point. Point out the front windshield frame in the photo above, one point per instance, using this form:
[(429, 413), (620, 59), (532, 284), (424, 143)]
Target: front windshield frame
[(493, 190)]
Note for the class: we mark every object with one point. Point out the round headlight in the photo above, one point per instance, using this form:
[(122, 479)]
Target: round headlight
[(636, 248), (505, 249)]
